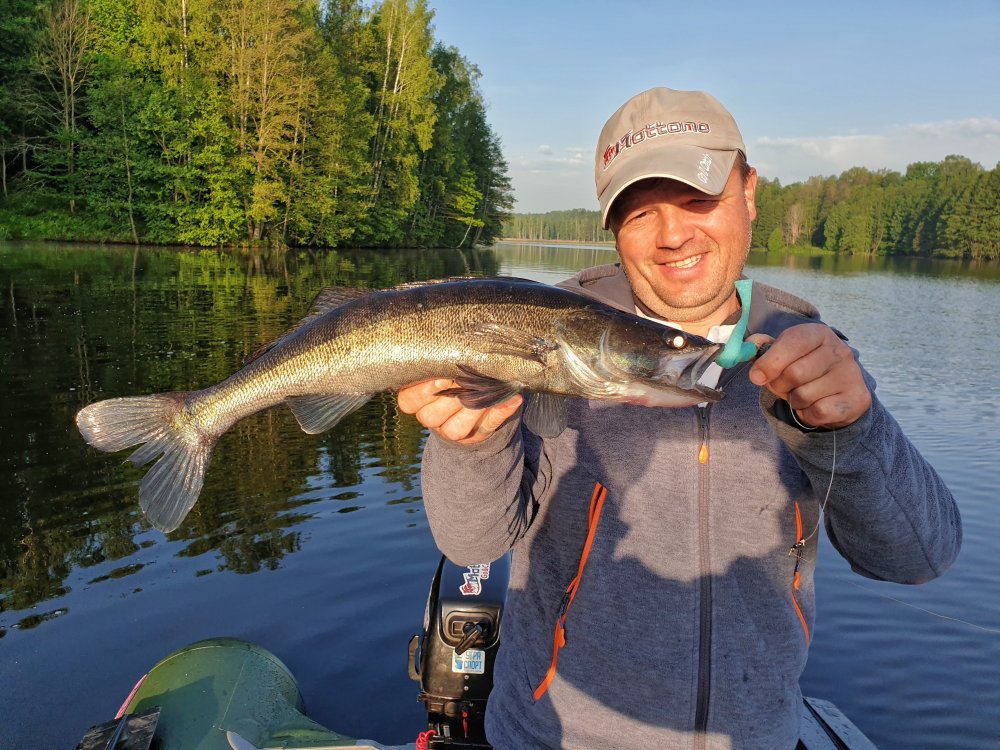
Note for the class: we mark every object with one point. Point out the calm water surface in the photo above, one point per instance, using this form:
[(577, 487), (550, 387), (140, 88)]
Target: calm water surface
[(317, 547)]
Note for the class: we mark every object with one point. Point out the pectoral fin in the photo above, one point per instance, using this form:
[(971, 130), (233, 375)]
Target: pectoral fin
[(494, 338), (317, 414), (477, 391)]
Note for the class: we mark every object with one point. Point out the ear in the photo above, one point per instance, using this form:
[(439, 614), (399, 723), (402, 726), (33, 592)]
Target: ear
[(750, 193)]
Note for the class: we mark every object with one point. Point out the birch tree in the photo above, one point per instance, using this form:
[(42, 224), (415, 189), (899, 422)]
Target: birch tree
[(63, 58), (265, 45), (403, 85), (329, 172)]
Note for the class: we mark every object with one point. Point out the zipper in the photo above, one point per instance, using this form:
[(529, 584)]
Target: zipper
[(705, 586)]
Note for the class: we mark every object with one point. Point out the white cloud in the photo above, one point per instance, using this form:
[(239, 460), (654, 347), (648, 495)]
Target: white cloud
[(548, 179), (974, 127), (797, 159), (545, 157)]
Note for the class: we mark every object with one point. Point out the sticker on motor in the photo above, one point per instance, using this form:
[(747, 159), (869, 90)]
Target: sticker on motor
[(472, 661), (474, 576)]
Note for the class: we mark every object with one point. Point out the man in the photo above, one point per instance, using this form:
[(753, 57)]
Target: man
[(661, 588)]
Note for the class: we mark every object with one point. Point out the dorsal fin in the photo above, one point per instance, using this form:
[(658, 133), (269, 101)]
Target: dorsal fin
[(329, 298)]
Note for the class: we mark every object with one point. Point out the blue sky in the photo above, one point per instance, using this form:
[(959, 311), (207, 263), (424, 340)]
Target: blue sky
[(816, 87)]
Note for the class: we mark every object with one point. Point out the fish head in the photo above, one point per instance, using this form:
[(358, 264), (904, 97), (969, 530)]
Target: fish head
[(627, 358), (684, 362)]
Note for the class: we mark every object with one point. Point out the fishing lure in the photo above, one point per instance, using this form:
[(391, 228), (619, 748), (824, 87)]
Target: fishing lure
[(737, 351)]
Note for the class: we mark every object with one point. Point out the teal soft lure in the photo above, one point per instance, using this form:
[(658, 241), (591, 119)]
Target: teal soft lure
[(737, 351)]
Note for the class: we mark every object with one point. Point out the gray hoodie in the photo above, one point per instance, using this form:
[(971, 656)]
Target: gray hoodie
[(691, 623)]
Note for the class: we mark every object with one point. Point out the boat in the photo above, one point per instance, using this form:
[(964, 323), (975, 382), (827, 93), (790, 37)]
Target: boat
[(230, 694)]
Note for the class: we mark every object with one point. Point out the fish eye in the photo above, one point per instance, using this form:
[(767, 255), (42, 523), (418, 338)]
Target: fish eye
[(677, 340)]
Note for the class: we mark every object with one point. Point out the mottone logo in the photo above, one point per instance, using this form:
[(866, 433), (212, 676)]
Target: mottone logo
[(652, 130)]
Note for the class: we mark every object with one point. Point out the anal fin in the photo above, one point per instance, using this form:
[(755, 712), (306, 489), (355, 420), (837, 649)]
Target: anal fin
[(318, 413)]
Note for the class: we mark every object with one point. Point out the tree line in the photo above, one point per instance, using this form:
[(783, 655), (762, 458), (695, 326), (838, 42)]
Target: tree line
[(216, 122), (935, 209)]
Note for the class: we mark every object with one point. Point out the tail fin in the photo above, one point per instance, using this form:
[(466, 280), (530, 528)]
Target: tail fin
[(171, 487)]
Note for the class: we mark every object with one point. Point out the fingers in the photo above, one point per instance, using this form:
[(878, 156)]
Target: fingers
[(816, 373), (784, 353), (760, 340), (445, 415), (413, 397), (793, 360)]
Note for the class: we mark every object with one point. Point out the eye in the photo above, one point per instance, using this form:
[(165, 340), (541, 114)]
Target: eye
[(634, 216), (677, 340), (702, 204)]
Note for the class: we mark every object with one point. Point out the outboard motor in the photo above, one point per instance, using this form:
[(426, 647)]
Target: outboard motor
[(453, 659)]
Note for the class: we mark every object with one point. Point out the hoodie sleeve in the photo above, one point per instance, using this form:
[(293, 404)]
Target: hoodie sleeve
[(889, 513), (479, 498)]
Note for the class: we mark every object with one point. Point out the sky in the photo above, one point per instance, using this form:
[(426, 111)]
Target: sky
[(816, 88)]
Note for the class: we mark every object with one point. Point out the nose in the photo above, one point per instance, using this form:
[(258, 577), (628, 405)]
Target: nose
[(674, 227)]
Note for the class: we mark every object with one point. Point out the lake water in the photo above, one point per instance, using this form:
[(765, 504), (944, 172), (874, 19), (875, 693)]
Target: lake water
[(317, 547)]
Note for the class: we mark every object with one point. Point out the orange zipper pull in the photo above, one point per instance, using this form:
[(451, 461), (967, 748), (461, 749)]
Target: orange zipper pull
[(703, 420)]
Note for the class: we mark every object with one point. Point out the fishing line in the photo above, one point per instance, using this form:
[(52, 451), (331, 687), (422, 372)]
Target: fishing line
[(796, 550), (924, 610), (826, 498)]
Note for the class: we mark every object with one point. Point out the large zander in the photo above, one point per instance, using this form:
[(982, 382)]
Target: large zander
[(495, 337)]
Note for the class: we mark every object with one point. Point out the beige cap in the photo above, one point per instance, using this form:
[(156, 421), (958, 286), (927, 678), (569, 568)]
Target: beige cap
[(681, 135)]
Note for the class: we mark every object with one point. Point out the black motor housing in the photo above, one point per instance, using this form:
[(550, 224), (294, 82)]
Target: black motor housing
[(453, 659)]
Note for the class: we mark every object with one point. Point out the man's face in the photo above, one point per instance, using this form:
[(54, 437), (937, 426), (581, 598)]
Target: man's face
[(683, 249)]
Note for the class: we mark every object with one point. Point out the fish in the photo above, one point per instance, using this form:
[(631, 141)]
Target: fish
[(495, 337)]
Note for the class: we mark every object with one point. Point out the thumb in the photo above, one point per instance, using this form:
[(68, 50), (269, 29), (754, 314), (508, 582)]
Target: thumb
[(497, 415)]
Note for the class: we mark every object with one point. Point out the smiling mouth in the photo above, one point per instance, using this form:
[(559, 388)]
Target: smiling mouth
[(686, 263)]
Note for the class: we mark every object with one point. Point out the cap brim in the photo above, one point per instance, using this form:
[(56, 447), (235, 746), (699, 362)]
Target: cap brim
[(680, 162)]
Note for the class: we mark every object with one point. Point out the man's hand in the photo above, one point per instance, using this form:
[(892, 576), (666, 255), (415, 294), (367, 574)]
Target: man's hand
[(815, 372), (446, 417)]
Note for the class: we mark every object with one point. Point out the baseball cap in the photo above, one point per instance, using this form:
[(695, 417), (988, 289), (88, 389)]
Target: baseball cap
[(681, 135)]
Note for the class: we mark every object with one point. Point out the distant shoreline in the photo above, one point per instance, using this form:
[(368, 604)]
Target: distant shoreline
[(526, 241)]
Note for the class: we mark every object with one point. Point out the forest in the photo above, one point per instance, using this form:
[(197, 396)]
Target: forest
[(233, 122), (936, 209)]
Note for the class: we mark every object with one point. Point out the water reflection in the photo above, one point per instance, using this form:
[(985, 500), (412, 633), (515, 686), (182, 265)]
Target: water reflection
[(81, 323), (331, 528), (553, 262)]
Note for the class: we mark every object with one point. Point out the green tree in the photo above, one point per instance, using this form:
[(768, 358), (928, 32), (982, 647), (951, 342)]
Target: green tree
[(972, 226), (464, 191), (260, 59), (330, 175), (769, 212), (402, 81), (775, 241), (18, 129), (112, 153), (187, 120), (63, 57)]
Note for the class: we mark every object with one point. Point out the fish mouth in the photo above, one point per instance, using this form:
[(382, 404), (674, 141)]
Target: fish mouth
[(684, 370)]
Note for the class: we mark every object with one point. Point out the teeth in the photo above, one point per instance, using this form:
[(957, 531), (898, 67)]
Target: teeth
[(687, 263)]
